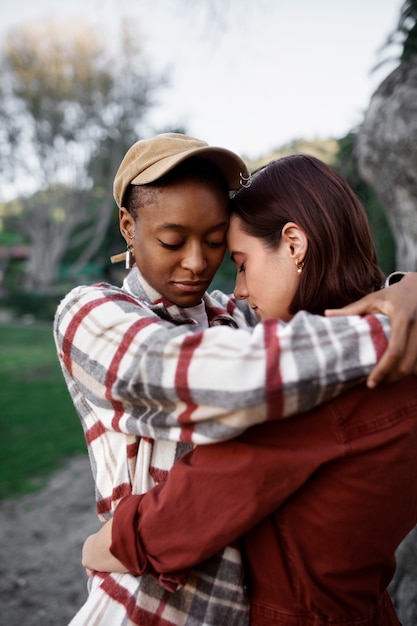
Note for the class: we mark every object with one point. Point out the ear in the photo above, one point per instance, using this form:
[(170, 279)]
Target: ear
[(296, 240), (126, 224)]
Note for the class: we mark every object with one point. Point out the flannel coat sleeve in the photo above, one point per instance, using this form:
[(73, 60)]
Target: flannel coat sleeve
[(130, 371)]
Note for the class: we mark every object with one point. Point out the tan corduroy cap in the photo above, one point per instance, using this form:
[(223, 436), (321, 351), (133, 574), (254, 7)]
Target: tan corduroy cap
[(149, 159)]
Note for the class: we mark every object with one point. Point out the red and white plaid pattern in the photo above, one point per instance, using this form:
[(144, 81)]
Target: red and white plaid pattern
[(147, 384)]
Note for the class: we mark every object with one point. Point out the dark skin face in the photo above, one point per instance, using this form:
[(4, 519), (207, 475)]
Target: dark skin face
[(179, 238)]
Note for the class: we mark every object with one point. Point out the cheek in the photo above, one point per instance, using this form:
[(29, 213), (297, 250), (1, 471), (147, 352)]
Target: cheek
[(285, 290), (153, 260), (259, 279)]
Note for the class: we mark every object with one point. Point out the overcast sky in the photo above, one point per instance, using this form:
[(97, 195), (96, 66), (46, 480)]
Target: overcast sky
[(266, 73)]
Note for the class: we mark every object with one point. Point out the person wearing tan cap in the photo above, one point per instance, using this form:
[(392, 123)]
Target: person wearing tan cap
[(319, 503), (158, 365)]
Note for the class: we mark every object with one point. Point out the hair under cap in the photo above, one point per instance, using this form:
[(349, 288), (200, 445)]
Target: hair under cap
[(149, 159)]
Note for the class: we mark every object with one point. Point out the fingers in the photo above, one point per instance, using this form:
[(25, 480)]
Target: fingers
[(400, 357), (399, 302), (351, 309), (384, 369), (391, 368), (407, 363), (388, 364), (372, 303)]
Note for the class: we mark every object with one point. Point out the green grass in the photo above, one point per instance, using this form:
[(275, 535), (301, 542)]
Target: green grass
[(39, 428)]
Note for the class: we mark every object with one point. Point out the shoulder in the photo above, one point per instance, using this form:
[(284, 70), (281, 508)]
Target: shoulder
[(103, 304), (98, 293), (89, 295), (388, 410)]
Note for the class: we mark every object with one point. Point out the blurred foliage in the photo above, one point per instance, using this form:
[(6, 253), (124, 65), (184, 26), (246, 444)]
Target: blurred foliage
[(405, 33), (408, 26), (346, 164), (9, 237), (26, 305), (38, 424), (324, 149), (226, 276), (67, 117)]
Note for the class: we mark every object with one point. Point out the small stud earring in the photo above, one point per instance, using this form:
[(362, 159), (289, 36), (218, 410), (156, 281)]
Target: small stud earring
[(300, 266)]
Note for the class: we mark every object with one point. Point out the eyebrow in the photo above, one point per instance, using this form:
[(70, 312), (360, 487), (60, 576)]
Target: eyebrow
[(181, 227)]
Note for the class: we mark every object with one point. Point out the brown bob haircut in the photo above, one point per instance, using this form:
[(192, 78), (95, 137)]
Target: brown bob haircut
[(340, 265)]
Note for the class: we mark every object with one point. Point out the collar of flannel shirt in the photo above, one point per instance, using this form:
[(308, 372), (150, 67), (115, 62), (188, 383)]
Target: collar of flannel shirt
[(137, 286)]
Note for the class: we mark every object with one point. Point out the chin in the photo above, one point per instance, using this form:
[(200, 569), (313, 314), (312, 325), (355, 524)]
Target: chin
[(187, 301), (187, 305)]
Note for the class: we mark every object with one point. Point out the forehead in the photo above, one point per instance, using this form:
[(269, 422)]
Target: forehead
[(186, 203), (240, 242), (236, 231)]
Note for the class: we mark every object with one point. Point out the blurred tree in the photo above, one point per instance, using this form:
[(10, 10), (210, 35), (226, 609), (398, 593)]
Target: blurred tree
[(70, 104), (405, 33), (346, 164), (386, 146)]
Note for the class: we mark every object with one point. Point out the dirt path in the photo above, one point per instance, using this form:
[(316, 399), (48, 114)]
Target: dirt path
[(42, 582)]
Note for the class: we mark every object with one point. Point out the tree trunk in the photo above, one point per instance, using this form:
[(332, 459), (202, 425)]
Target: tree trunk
[(386, 150)]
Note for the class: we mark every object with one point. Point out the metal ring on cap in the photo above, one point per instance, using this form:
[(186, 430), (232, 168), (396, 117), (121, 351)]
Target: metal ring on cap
[(245, 181)]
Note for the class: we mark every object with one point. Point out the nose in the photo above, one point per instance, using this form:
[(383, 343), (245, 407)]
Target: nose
[(194, 260), (240, 292)]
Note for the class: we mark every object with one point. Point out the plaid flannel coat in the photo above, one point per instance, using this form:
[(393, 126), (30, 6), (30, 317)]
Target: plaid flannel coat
[(147, 384)]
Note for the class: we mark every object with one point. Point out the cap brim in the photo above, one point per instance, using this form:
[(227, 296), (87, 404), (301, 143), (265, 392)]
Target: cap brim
[(229, 164)]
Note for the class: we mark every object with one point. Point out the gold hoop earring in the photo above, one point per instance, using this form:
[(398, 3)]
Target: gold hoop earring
[(300, 266)]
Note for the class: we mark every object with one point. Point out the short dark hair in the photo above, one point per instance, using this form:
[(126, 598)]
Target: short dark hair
[(340, 265), (194, 168)]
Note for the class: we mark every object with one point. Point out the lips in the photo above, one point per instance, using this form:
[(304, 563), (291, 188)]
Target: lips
[(191, 285)]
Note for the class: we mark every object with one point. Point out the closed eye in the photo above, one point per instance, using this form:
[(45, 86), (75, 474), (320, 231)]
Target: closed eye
[(215, 244), (171, 246)]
